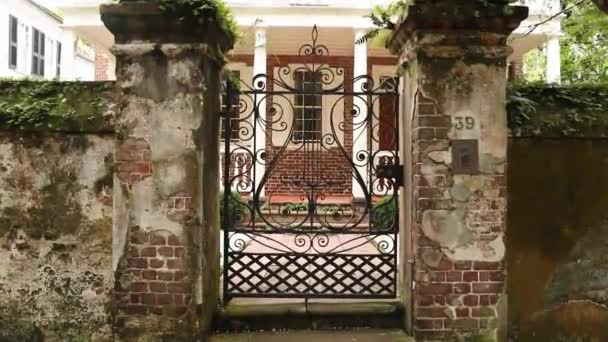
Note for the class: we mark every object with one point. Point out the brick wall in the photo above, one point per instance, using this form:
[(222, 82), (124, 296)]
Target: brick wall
[(449, 294), (102, 65), (152, 276), (132, 160)]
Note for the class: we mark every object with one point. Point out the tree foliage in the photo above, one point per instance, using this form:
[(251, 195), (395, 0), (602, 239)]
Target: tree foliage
[(584, 51)]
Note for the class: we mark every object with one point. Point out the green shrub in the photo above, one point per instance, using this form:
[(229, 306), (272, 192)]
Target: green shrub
[(237, 210), (384, 215)]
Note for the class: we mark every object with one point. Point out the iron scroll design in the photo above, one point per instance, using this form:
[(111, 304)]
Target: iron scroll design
[(309, 137)]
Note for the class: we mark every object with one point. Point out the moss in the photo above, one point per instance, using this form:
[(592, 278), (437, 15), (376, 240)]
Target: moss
[(52, 105)]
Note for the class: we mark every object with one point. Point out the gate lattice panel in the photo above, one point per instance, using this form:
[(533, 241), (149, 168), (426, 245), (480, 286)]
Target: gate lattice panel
[(305, 243)]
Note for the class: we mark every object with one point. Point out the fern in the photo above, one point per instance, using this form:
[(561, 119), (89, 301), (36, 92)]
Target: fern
[(382, 18)]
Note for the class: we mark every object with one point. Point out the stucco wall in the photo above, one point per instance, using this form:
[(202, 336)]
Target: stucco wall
[(556, 241), (55, 235)]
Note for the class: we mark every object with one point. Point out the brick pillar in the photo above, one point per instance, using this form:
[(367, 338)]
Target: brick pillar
[(166, 218), (454, 59)]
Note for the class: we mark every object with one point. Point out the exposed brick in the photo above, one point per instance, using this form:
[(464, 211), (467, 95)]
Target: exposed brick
[(138, 238), (158, 287), (434, 289), (135, 298), (462, 312), (462, 288), (178, 288), (137, 263), (484, 300), (487, 266), (440, 300), (484, 276), (438, 276), (488, 287), (133, 252), (470, 300), (138, 287), (168, 276), (178, 299), (497, 276), (164, 299), (427, 324), (463, 265), (424, 300), (483, 311), (470, 276), (157, 240), (148, 299), (149, 252), (463, 324), (454, 276), (175, 264), (173, 240), (433, 312), (179, 275), (156, 263), (176, 310), (149, 275), (165, 251)]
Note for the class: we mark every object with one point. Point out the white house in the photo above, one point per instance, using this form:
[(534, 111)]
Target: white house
[(34, 44), (286, 23)]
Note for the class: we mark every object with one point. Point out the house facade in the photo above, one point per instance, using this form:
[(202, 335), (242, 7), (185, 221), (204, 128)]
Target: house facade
[(273, 33), (35, 46)]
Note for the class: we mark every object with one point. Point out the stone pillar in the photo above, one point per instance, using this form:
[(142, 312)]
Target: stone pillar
[(554, 61), (360, 129), (454, 60), (166, 218), (259, 68)]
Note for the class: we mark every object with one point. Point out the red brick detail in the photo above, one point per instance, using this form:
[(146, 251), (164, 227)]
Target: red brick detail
[(180, 207), (152, 279), (102, 65), (132, 159), (451, 297)]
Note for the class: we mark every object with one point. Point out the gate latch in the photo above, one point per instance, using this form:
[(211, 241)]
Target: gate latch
[(394, 172)]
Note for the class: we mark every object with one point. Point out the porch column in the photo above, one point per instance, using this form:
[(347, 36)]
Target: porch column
[(259, 69), (360, 121), (68, 54), (166, 226), (455, 125), (553, 73)]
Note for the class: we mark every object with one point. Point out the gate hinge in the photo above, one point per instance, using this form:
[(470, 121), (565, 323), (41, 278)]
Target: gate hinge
[(394, 172)]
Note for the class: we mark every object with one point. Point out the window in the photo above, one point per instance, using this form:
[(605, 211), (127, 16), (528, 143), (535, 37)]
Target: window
[(307, 106), (235, 76), (12, 42), (58, 59), (38, 53)]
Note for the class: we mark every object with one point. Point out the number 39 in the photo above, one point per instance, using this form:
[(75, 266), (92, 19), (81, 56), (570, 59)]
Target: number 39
[(464, 122)]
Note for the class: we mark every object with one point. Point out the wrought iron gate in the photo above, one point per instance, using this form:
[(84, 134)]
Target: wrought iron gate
[(308, 208)]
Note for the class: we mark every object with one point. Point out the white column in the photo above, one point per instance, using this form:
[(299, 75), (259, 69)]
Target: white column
[(68, 54), (360, 131), (259, 68), (553, 73)]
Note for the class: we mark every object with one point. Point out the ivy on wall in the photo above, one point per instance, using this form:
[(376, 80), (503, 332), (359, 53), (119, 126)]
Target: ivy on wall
[(53, 105), (558, 111)]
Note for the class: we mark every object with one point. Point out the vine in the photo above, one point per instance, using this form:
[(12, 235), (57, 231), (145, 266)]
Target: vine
[(558, 111), (53, 105)]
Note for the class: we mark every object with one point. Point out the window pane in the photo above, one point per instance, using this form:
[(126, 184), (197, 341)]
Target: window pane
[(41, 68), (36, 40), (42, 43), (13, 29), (13, 57)]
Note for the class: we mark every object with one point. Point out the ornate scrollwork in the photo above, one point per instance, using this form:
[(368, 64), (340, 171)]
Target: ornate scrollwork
[(295, 188)]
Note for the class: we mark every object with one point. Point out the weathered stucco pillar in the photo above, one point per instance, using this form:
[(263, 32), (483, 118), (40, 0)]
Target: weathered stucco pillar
[(454, 58), (166, 221)]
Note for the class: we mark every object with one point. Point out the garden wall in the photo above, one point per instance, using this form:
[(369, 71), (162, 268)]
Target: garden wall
[(557, 238), (55, 211)]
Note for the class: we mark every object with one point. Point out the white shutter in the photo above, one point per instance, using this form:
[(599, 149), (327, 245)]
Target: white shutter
[(21, 47)]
